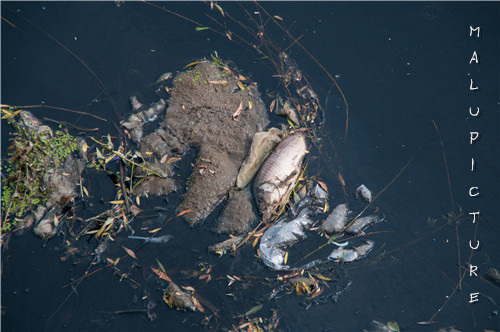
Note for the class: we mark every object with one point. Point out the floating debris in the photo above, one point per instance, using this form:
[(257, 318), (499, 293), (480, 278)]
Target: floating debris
[(350, 255), (361, 223), (336, 221), (281, 235), (163, 77), (178, 299), (290, 112), (160, 239), (222, 247), (136, 121), (364, 192), (262, 144)]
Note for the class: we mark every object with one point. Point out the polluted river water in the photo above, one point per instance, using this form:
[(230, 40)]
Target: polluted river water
[(405, 71)]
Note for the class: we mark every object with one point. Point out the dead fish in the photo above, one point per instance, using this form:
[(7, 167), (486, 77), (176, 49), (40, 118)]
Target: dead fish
[(361, 223), (161, 239), (336, 221), (278, 174), (281, 235), (350, 255), (365, 193)]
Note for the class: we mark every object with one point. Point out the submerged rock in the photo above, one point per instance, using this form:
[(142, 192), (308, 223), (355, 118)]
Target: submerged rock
[(262, 144), (278, 174)]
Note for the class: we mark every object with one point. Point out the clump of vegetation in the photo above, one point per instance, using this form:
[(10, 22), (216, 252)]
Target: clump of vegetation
[(34, 150)]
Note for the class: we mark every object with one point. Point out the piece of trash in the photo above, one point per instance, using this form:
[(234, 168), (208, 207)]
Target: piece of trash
[(364, 193)]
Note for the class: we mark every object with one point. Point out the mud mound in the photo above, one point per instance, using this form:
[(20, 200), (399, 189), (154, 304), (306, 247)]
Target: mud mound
[(203, 112)]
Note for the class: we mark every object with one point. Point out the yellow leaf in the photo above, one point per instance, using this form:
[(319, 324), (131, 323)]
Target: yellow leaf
[(138, 200), (107, 224), (85, 191), (118, 202), (240, 85), (286, 257), (279, 18), (130, 252), (192, 64), (155, 230), (250, 105), (85, 147), (220, 9), (108, 159), (197, 304), (254, 243)]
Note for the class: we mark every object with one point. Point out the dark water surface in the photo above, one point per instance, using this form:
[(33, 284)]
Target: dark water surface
[(400, 65)]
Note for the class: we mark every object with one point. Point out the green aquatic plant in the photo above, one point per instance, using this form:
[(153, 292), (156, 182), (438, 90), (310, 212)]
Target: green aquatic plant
[(31, 155)]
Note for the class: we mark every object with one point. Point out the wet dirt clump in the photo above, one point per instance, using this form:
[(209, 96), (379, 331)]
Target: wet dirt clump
[(217, 112)]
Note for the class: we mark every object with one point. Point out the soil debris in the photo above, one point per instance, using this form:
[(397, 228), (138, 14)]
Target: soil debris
[(201, 115)]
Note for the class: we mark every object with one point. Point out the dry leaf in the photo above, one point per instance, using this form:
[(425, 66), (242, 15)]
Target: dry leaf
[(254, 243), (184, 212), (238, 111), (155, 230), (323, 185), (173, 159), (341, 179), (130, 252), (161, 274), (273, 103), (197, 304), (217, 82), (164, 159), (134, 209), (193, 64)]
